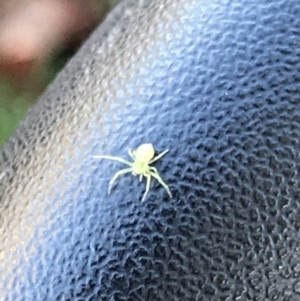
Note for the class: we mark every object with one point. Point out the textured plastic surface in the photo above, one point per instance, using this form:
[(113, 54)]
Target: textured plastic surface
[(217, 82)]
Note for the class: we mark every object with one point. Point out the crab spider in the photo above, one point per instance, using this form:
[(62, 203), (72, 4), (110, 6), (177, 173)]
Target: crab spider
[(142, 158)]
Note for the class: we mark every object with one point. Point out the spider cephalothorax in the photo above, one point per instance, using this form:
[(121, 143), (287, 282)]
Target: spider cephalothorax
[(142, 158)]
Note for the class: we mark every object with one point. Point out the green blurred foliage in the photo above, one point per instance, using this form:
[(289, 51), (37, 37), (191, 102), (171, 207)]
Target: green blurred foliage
[(13, 107), (12, 110)]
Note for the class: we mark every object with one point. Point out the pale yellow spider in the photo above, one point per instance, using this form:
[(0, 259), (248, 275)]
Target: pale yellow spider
[(142, 157)]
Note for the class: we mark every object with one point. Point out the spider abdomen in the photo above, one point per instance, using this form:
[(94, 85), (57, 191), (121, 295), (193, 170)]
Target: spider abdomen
[(144, 153)]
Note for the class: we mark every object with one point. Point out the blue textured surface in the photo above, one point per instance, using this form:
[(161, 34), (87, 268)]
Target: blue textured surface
[(217, 82)]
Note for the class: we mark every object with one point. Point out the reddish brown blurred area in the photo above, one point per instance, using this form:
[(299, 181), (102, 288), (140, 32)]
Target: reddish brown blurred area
[(32, 31)]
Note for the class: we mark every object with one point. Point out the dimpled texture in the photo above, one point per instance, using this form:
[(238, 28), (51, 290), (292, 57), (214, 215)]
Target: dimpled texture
[(217, 83)]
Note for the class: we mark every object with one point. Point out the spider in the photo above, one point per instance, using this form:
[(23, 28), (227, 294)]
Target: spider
[(142, 157)]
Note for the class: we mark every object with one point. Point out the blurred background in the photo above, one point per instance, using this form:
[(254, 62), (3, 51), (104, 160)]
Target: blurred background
[(37, 38)]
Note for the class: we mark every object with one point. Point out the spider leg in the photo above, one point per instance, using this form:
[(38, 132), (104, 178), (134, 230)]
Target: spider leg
[(155, 174), (131, 154), (117, 174), (159, 156), (115, 159), (148, 176), (141, 177)]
